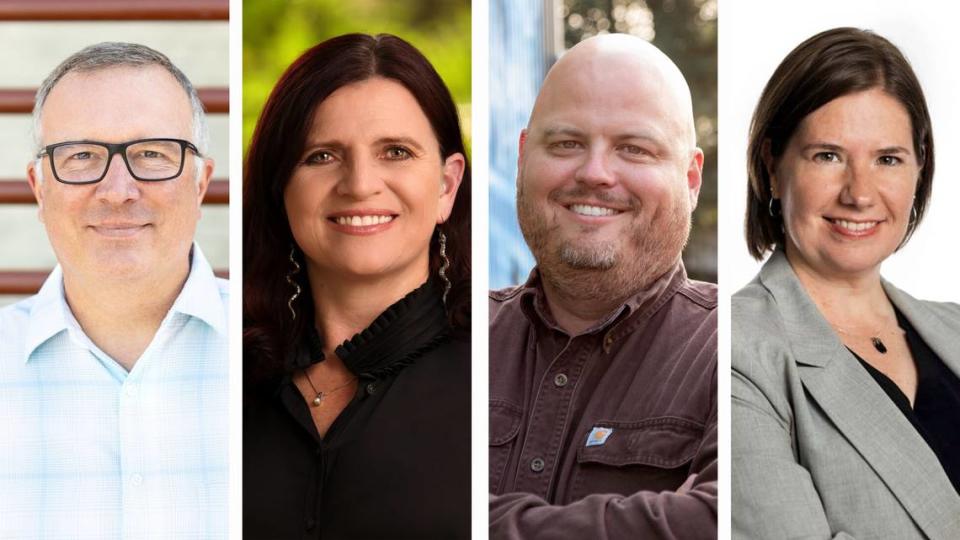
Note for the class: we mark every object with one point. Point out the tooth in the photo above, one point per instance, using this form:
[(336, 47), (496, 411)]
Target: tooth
[(366, 221)]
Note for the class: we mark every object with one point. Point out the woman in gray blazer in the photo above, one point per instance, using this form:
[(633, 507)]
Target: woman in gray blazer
[(846, 399)]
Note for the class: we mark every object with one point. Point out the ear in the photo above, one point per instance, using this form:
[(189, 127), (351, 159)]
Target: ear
[(695, 176), (203, 183), (453, 168), (36, 185), (520, 145), (770, 166)]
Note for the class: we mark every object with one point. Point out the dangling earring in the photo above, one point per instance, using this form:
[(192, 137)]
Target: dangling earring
[(293, 282), (444, 264), (913, 216), (770, 206)]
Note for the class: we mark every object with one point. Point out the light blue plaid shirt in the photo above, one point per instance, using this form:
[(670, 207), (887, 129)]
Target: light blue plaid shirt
[(89, 451)]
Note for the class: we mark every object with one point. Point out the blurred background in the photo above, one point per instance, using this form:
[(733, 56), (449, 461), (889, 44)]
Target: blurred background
[(276, 33), (527, 36), (35, 36)]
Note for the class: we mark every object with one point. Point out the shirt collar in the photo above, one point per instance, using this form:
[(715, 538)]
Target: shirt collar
[(647, 300), (200, 296), (50, 314)]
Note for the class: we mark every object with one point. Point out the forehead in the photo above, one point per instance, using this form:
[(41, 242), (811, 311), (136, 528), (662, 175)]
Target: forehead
[(116, 104), (368, 110), (601, 98), (871, 117)]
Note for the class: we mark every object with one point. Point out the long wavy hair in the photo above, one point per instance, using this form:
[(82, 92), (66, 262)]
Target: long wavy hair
[(278, 141)]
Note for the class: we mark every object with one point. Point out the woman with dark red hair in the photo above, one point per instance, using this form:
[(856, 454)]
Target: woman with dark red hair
[(357, 301)]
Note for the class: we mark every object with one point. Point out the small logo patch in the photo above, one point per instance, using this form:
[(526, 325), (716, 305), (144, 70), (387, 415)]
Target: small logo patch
[(598, 436)]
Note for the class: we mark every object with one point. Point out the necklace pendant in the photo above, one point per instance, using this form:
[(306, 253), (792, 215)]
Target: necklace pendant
[(878, 345), (318, 400)]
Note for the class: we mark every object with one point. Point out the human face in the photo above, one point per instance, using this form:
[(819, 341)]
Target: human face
[(846, 182), (120, 228), (370, 185), (607, 176)]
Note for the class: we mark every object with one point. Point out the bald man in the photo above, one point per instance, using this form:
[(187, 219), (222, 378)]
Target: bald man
[(603, 411)]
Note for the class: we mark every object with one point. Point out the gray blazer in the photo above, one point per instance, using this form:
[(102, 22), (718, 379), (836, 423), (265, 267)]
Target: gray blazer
[(819, 450)]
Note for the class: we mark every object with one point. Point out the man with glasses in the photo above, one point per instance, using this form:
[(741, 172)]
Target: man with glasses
[(113, 378)]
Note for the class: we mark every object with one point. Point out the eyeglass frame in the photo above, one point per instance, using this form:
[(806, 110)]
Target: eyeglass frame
[(120, 148)]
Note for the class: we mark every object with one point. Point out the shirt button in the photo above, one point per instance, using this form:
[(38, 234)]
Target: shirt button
[(310, 523), (372, 388), (609, 340), (130, 391), (537, 465), (560, 380), (136, 479)]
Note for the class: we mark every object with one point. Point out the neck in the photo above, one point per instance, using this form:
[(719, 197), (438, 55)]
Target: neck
[(580, 299), (576, 309), (344, 306), (852, 302), (122, 317)]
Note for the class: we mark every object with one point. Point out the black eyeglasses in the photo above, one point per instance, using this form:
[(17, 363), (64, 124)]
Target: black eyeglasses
[(148, 160)]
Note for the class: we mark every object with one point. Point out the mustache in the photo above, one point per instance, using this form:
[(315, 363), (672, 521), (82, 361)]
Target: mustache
[(580, 192)]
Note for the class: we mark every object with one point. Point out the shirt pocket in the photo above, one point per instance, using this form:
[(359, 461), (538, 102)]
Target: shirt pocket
[(650, 455), (504, 426)]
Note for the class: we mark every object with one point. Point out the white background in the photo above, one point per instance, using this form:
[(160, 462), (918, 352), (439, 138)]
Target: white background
[(756, 35)]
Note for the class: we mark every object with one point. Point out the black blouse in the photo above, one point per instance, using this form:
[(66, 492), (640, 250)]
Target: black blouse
[(394, 464), (936, 411)]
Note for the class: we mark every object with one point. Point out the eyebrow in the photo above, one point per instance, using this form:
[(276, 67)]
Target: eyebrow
[(838, 148), (335, 144), (629, 135)]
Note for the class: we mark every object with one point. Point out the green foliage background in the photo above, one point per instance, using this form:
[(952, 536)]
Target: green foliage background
[(275, 33)]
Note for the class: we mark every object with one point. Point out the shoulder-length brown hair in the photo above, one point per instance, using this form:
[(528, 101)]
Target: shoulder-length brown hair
[(829, 65), (278, 141)]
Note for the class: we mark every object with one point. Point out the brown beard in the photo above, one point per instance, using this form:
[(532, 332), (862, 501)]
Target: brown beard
[(602, 271)]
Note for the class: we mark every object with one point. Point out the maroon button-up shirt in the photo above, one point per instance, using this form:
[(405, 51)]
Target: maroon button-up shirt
[(611, 433)]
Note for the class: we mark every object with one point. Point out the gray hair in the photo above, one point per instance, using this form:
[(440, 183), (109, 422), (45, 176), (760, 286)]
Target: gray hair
[(113, 54)]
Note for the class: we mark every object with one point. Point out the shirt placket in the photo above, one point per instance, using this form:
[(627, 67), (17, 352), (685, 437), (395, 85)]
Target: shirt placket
[(550, 419), (132, 475)]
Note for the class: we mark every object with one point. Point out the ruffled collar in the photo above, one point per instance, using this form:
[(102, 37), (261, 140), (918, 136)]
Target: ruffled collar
[(404, 331)]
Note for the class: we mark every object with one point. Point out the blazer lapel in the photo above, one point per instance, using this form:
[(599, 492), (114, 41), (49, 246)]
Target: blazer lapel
[(941, 334), (861, 410)]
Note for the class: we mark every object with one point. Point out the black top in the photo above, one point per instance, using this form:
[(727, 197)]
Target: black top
[(394, 464), (936, 410)]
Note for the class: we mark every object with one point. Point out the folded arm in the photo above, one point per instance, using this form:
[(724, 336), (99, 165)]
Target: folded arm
[(690, 512)]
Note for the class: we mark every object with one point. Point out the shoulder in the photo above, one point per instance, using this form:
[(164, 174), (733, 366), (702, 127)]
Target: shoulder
[(14, 320), (505, 300), (700, 294), (223, 290), (926, 313), (758, 336)]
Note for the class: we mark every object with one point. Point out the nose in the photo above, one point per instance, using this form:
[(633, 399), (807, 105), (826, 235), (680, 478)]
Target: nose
[(361, 179), (595, 170), (858, 188), (118, 186)]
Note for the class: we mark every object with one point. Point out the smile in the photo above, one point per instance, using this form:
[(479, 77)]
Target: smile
[(592, 211), (361, 221), (853, 228), (118, 230)]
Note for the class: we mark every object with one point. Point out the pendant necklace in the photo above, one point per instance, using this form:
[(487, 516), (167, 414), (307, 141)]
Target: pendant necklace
[(320, 395), (874, 339)]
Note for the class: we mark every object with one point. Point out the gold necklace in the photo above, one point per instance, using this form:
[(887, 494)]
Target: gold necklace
[(320, 395)]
